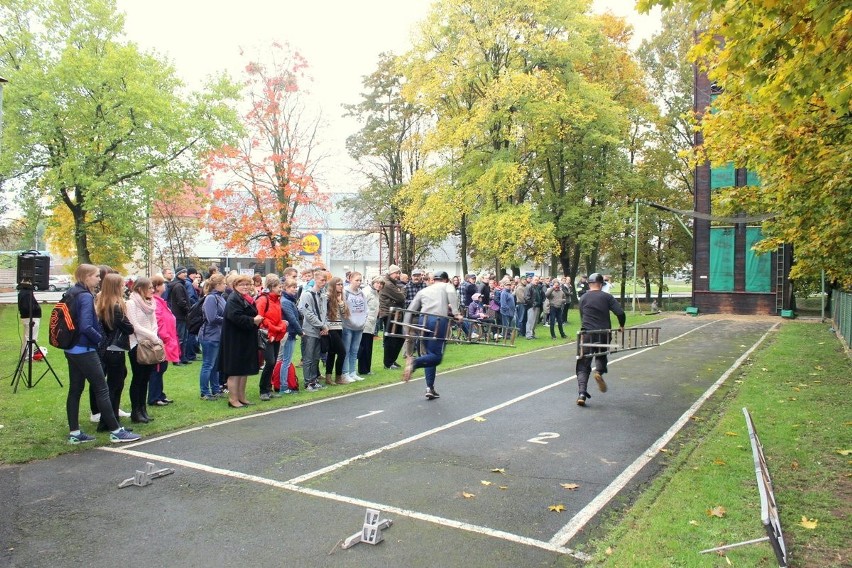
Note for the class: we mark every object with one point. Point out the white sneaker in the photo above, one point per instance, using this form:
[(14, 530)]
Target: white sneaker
[(95, 418), (123, 413), (474, 335), (354, 377)]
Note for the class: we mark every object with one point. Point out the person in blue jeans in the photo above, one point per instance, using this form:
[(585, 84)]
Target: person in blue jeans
[(353, 325), (290, 314), (210, 336), (436, 303)]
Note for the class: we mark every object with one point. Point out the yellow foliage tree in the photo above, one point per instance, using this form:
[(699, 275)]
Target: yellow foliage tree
[(786, 113)]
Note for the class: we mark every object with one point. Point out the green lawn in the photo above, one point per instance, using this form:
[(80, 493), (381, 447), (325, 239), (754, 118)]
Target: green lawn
[(796, 388), (33, 424)]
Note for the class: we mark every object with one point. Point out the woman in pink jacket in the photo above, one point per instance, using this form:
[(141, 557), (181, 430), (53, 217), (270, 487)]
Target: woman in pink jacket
[(167, 330)]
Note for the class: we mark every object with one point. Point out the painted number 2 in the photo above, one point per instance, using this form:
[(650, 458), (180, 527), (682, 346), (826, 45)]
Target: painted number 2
[(542, 436)]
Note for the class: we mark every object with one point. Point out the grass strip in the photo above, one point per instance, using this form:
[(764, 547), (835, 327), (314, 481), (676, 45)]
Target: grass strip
[(795, 387)]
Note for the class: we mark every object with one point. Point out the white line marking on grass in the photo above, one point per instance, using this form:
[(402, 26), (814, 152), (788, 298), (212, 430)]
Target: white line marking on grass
[(286, 485), (594, 507)]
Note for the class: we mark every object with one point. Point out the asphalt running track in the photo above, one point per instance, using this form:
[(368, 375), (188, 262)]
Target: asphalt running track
[(285, 487)]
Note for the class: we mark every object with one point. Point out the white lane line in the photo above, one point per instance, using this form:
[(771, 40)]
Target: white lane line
[(448, 425), (292, 484), (252, 416), (441, 521), (371, 413), (594, 507)]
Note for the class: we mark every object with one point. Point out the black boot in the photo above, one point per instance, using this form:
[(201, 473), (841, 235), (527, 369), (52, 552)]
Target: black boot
[(137, 415), (144, 410)]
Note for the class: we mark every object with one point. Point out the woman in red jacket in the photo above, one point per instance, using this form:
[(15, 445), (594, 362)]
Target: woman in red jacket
[(269, 306)]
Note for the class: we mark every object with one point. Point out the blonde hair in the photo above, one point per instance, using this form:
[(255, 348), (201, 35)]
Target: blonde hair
[(272, 280), (212, 282), (111, 294), (84, 271), (157, 279), (239, 279)]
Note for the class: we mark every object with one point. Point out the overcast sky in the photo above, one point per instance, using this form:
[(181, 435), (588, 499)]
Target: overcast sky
[(340, 39)]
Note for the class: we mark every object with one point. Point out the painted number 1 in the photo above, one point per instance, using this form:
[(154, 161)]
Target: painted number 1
[(542, 436)]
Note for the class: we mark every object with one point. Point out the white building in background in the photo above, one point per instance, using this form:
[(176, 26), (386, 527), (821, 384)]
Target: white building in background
[(346, 247), (338, 242)]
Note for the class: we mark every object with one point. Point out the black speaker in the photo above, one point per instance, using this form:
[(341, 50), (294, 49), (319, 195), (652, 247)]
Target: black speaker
[(35, 267)]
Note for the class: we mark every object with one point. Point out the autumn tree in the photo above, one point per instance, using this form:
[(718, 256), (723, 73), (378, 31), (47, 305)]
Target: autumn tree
[(269, 176), (388, 150), (665, 168), (530, 102), (785, 113), (94, 126), (483, 68), (585, 149)]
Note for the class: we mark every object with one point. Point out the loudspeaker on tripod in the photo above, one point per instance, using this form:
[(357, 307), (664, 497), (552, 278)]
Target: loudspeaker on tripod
[(35, 267)]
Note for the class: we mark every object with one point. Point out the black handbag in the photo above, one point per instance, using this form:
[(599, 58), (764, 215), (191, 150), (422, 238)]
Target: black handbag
[(262, 338)]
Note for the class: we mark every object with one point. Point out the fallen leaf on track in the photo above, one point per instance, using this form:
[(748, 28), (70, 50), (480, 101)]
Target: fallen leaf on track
[(498, 470), (467, 495), (484, 482), (569, 486), (557, 508), (479, 419)]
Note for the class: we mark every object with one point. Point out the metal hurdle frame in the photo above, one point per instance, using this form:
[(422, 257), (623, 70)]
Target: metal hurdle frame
[(632, 338), (487, 333)]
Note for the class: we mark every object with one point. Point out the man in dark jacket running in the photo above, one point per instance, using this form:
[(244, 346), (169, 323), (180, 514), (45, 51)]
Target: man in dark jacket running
[(595, 306)]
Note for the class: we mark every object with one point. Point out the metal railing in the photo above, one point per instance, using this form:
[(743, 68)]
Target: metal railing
[(841, 315)]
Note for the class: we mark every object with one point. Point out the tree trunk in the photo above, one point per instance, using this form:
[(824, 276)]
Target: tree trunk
[(80, 238)]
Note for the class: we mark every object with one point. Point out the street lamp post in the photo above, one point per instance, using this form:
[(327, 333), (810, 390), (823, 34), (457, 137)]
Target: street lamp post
[(635, 251), (2, 82)]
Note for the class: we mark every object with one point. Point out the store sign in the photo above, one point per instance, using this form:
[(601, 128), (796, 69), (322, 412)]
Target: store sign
[(311, 244)]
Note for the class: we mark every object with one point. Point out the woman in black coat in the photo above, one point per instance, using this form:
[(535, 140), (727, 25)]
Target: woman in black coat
[(238, 346)]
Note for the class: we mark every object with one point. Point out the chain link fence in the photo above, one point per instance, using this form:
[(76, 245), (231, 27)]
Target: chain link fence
[(841, 315)]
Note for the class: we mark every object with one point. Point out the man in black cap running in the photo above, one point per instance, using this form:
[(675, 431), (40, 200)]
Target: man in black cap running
[(595, 306)]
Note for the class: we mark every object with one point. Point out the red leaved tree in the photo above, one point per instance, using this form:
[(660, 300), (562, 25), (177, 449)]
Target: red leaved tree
[(270, 173)]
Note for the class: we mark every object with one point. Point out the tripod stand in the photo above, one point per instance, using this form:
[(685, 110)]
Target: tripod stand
[(27, 361)]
